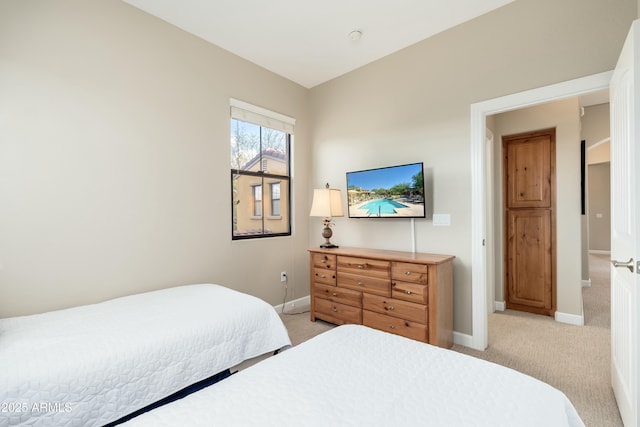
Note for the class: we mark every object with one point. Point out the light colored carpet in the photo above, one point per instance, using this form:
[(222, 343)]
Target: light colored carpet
[(574, 359)]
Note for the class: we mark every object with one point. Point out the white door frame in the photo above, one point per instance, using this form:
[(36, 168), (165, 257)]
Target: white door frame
[(479, 112), (490, 245)]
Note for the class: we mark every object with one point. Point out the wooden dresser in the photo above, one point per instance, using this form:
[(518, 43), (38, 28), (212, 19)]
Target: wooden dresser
[(405, 293)]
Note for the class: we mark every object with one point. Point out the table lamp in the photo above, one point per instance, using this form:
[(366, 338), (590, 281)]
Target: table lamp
[(327, 203)]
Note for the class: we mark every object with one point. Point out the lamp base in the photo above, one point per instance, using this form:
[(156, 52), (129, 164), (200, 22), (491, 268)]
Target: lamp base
[(329, 246), (327, 233)]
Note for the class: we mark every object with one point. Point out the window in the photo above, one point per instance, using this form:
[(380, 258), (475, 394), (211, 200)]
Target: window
[(260, 172), (257, 200), (275, 199)]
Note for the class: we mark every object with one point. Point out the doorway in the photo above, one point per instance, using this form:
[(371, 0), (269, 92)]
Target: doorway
[(479, 255)]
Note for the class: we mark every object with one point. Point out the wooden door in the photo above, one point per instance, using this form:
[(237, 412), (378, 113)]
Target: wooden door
[(625, 229), (529, 212)]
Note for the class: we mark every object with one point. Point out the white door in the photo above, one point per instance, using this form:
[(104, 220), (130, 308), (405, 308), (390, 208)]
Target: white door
[(625, 230)]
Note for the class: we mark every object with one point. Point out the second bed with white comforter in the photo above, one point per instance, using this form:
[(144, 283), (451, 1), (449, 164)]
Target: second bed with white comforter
[(357, 376)]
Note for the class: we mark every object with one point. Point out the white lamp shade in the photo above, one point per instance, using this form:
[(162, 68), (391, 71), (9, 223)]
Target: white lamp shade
[(327, 203)]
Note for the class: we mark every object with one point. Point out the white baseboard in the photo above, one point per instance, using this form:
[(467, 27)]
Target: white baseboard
[(462, 339), (586, 283), (598, 252), (571, 319), (291, 305)]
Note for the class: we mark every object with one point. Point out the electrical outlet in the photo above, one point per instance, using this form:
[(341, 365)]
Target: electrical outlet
[(283, 276)]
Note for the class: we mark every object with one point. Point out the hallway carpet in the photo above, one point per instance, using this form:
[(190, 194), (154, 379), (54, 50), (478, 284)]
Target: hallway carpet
[(574, 359)]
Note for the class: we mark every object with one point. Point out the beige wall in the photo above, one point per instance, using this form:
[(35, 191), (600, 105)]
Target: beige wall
[(599, 154), (114, 159), (414, 105), (595, 124), (114, 143), (564, 116), (596, 132), (599, 207)]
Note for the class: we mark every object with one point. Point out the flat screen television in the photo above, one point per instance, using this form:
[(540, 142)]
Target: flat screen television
[(389, 192)]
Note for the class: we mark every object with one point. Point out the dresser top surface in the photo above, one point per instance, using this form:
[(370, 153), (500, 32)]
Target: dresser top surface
[(385, 254)]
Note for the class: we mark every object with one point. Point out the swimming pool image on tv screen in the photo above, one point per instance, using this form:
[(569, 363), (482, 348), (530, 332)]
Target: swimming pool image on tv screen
[(388, 192), (382, 207)]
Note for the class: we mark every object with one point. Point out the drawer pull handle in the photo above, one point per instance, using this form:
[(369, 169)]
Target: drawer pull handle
[(407, 273), (360, 266), (323, 260), (360, 283), (391, 307), (334, 294), (334, 309), (407, 292), (391, 327)]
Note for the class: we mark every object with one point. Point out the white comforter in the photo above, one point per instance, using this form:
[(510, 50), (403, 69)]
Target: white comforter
[(90, 365), (356, 376)]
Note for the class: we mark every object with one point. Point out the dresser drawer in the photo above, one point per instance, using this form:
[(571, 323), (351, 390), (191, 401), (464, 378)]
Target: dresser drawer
[(395, 307), (410, 292), (322, 275), (359, 282), (325, 261), (336, 294), (364, 267), (406, 328), (336, 312), (410, 272)]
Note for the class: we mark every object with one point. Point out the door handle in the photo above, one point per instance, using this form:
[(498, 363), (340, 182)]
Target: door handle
[(628, 264)]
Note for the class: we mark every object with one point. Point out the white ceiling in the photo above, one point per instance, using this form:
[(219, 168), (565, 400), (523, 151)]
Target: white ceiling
[(308, 42)]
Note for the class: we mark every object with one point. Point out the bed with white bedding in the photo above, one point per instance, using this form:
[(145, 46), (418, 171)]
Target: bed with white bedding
[(356, 376), (92, 365)]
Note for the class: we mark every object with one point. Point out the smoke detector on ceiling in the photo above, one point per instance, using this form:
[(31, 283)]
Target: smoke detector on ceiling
[(355, 35)]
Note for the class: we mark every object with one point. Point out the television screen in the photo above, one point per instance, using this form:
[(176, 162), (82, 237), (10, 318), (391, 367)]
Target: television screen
[(389, 192)]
